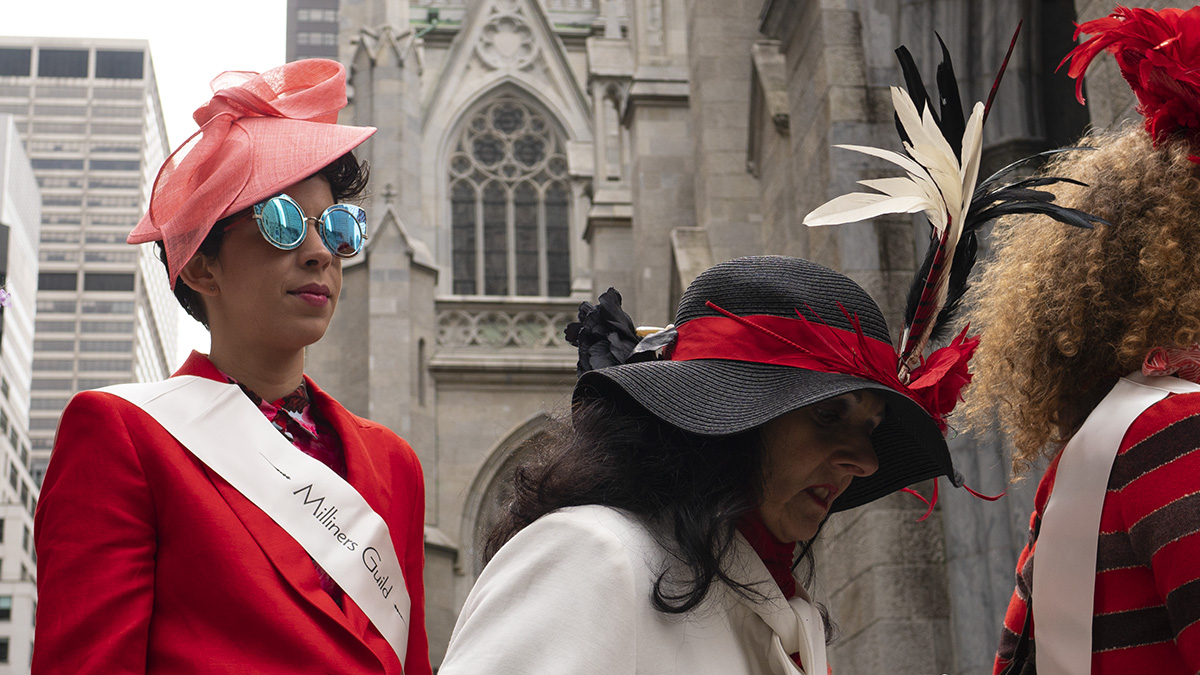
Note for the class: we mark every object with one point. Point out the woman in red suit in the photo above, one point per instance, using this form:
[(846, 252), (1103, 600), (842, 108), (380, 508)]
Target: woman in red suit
[(179, 529)]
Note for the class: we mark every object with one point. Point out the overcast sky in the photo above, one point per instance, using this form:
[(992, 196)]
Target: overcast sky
[(190, 43)]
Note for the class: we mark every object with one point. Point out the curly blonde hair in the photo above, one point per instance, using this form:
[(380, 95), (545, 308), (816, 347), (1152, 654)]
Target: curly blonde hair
[(1063, 312)]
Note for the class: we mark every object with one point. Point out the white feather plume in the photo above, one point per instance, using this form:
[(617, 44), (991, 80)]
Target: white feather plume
[(935, 182)]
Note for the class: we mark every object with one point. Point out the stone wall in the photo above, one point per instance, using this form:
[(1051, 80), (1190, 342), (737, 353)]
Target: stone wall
[(728, 200), (338, 362), (662, 171), (882, 574), (663, 200), (769, 153)]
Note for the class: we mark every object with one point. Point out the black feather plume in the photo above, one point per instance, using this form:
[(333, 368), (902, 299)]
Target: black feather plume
[(942, 278), (1026, 160), (991, 200), (952, 123), (960, 270), (948, 114), (915, 289), (916, 90), (994, 197), (987, 108), (950, 119), (988, 200)]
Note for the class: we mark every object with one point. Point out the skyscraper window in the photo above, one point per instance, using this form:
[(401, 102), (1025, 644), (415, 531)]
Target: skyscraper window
[(121, 65), (62, 63), (116, 165), (57, 281), (15, 62), (107, 281)]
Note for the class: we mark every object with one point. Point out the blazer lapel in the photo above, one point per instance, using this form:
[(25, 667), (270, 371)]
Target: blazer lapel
[(361, 470), (365, 477), (288, 557), (297, 569)]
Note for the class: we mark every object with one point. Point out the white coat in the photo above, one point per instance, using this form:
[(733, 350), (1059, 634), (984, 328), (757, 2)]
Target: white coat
[(571, 594)]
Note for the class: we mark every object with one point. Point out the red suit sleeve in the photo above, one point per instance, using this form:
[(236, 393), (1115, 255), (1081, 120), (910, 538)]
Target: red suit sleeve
[(95, 535)]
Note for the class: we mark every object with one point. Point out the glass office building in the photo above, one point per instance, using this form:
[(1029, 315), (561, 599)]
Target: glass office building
[(312, 29), (89, 114)]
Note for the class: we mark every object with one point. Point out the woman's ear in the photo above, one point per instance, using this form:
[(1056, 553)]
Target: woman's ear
[(197, 273)]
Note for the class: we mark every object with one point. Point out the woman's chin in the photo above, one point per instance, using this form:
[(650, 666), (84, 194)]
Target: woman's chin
[(787, 528), (300, 334)]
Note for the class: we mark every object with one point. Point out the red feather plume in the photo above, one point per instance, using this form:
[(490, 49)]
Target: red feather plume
[(1158, 53)]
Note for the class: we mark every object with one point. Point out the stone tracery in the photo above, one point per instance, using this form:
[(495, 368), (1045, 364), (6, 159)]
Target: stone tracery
[(507, 42), (509, 204)]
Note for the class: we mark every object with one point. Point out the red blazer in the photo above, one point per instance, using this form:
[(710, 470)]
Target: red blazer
[(148, 562)]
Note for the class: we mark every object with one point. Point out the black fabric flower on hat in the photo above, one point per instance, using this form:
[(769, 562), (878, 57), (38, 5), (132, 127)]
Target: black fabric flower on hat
[(605, 334)]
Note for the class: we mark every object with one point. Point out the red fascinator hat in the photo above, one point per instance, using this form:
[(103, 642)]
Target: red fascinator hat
[(258, 134), (1158, 53)]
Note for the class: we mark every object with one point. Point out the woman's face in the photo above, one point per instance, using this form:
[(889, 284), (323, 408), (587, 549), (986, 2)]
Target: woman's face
[(812, 454), (270, 297)]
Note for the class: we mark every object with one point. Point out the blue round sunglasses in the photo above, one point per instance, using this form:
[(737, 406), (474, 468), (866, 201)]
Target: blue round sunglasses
[(342, 227)]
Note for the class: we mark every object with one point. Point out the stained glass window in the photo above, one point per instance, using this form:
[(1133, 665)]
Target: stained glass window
[(510, 205)]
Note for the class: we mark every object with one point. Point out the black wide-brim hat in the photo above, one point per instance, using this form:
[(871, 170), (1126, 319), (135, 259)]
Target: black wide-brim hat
[(720, 397)]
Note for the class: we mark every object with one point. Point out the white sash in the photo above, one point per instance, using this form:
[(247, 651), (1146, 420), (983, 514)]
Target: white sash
[(223, 428), (1070, 529)]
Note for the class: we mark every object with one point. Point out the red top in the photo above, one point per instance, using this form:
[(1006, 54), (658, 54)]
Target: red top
[(1147, 598), (776, 555)]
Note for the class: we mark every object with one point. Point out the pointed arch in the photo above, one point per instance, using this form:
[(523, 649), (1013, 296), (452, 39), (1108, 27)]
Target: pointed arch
[(490, 485), (549, 76), (507, 153)]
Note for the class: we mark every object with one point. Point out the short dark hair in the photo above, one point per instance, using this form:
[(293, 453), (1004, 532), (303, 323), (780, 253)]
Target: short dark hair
[(347, 180)]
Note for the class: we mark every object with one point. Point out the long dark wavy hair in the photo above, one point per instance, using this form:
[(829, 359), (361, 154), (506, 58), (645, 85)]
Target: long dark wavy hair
[(689, 490)]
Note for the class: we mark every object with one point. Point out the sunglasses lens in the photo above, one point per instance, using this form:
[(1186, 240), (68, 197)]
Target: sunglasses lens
[(282, 223), (342, 228)]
